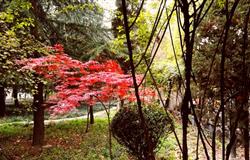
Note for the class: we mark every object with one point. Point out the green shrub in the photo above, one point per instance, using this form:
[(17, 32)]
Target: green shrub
[(127, 130)]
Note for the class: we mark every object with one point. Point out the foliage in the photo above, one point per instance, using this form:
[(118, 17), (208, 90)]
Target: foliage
[(208, 46), (16, 42), (78, 25), (127, 129), (77, 82), (165, 71), (140, 32)]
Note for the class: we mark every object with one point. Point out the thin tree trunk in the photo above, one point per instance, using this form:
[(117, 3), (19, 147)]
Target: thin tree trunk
[(87, 123), (246, 136), (169, 95), (233, 136), (234, 150), (245, 86), (110, 136), (229, 16), (149, 154), (188, 68), (231, 147), (107, 110), (2, 102), (15, 96), (38, 129), (91, 115), (122, 103)]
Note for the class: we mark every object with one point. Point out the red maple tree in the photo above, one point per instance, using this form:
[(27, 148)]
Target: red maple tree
[(87, 82)]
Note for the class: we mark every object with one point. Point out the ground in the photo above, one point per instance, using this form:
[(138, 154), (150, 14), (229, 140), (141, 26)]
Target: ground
[(67, 140)]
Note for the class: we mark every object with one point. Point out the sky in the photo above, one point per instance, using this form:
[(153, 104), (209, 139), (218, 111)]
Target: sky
[(108, 6)]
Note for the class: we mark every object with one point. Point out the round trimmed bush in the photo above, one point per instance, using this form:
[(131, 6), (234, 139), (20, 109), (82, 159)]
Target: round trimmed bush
[(127, 130)]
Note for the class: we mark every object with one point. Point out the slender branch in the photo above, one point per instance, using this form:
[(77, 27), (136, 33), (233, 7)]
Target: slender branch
[(149, 154), (158, 46), (156, 23), (161, 99), (179, 30), (137, 15), (229, 16), (175, 56)]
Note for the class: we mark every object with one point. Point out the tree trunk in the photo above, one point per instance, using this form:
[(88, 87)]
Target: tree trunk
[(15, 94), (245, 86), (233, 151), (91, 115), (149, 155), (2, 102), (169, 95), (122, 103), (246, 134), (232, 131), (38, 129), (188, 68), (87, 123)]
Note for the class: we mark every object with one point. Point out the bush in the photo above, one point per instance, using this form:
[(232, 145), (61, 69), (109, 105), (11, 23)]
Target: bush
[(127, 130)]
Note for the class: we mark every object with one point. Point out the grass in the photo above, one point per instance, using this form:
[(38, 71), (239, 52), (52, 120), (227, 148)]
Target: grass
[(24, 114), (68, 141), (64, 141)]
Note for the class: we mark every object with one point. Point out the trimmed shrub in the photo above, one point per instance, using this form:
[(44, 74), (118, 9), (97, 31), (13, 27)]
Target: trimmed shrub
[(127, 130)]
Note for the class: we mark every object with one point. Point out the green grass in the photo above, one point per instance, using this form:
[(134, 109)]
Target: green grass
[(64, 141), (68, 141), (22, 114)]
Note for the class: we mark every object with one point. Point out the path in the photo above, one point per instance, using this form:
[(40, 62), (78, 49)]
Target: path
[(53, 121)]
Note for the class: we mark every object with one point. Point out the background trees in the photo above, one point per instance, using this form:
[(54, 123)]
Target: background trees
[(16, 43), (27, 26), (78, 25), (189, 16), (199, 47), (207, 51)]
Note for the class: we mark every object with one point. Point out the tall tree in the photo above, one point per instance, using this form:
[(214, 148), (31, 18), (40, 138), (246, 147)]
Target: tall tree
[(75, 24), (210, 40), (193, 13), (16, 42)]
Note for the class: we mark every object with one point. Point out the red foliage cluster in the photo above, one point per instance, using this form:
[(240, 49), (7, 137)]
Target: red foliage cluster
[(78, 82)]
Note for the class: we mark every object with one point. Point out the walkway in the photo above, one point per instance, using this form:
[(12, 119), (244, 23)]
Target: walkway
[(53, 121)]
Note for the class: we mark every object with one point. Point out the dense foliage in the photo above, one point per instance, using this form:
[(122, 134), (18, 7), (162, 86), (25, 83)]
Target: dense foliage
[(127, 129), (76, 82)]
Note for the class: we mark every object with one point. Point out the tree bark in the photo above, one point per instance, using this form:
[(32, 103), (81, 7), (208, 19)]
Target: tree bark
[(188, 68), (15, 96), (149, 154), (246, 136), (91, 115), (38, 129), (2, 102), (169, 95), (245, 87)]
